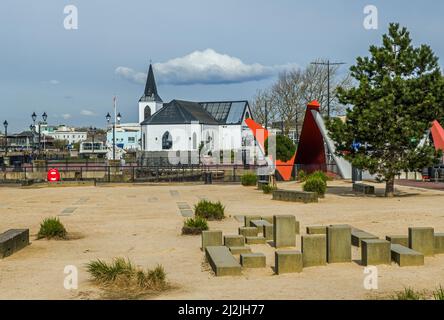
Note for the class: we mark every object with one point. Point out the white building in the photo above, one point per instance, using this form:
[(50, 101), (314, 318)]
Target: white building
[(185, 125), (127, 136), (63, 132)]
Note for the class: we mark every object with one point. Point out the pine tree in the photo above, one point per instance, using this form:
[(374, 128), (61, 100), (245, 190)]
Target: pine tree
[(400, 91)]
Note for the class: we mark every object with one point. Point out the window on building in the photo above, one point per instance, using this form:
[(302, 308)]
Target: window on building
[(147, 112), (194, 141), (167, 141), (131, 139)]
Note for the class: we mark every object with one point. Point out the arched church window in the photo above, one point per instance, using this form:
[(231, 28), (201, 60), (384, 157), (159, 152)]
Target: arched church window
[(167, 141), (147, 112)]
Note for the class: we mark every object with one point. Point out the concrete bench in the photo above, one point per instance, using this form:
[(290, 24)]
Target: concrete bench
[(234, 241), (357, 235), (317, 230), (240, 250), (406, 257), (422, 240), (398, 239), (222, 261), (253, 260), (375, 252), (295, 196), (288, 261), (255, 240), (248, 231), (12, 241), (363, 188), (211, 238), (314, 250), (338, 244), (439, 243), (248, 219)]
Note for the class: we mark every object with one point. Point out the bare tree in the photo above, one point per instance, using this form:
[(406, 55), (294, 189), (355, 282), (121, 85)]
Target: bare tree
[(262, 108), (316, 86), (294, 89)]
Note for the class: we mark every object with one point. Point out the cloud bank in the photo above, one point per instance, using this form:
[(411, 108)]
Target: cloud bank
[(204, 67)]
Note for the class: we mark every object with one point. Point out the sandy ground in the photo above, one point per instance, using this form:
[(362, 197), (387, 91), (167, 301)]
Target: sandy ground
[(144, 223)]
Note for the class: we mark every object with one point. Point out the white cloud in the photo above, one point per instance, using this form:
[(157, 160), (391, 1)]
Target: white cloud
[(66, 116), (85, 112), (204, 67)]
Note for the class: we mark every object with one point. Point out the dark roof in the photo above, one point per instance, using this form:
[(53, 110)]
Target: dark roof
[(150, 93), (226, 112), (179, 112)]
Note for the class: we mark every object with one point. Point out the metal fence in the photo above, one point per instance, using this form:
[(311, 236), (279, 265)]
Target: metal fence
[(132, 172)]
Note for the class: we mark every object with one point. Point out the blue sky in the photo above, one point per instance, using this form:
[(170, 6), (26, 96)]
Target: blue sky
[(73, 74)]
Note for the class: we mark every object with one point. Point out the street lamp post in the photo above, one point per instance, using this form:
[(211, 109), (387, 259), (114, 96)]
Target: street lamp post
[(5, 124), (116, 120), (93, 132), (34, 128)]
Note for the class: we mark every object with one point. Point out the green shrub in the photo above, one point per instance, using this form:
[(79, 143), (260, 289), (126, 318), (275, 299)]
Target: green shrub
[(249, 179), (267, 189), (409, 294), (209, 210), (285, 148), (122, 274), (438, 294), (319, 174), (302, 176), (52, 228), (315, 184), (194, 226)]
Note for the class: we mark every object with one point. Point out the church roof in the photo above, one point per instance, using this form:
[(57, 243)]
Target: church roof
[(150, 93), (226, 112), (181, 112)]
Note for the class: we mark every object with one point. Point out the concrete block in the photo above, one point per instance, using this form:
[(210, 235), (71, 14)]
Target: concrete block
[(222, 261), (234, 241), (253, 260), (363, 188), (268, 218), (295, 196), (259, 224), (211, 238), (297, 228), (240, 250), (357, 235), (317, 230), (314, 250), (398, 239), (439, 243), (268, 232), (247, 220), (406, 257), (288, 261), (422, 240), (255, 240), (338, 243), (248, 231), (284, 233), (375, 252), (12, 241)]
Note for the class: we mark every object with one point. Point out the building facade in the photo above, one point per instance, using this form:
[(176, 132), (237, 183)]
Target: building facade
[(191, 126)]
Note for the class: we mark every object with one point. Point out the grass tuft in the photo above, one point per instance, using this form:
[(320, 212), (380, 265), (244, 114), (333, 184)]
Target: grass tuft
[(438, 294), (123, 278), (409, 294), (194, 226), (209, 210), (52, 228)]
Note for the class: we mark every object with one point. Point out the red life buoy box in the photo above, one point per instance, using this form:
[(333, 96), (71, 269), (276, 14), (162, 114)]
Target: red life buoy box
[(53, 175)]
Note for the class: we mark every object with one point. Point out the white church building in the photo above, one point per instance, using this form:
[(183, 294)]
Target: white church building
[(186, 126)]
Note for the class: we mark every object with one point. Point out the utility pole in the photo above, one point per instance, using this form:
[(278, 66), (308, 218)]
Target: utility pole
[(328, 63)]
